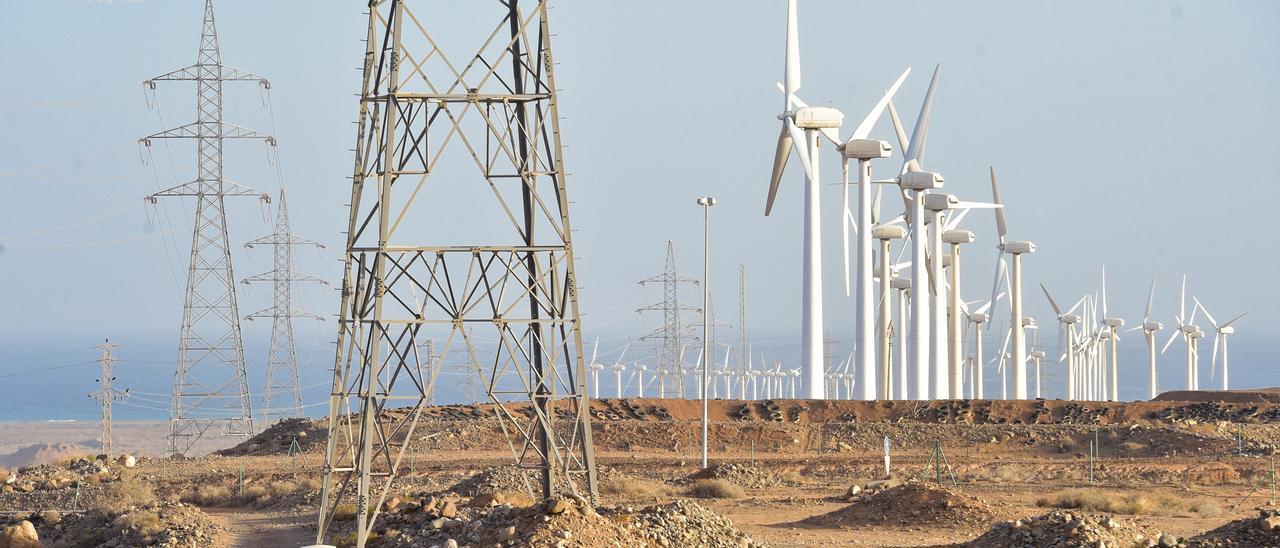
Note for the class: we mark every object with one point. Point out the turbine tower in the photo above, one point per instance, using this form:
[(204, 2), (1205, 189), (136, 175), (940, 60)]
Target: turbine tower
[(282, 354), (813, 121), (209, 386), (1016, 248), (489, 122)]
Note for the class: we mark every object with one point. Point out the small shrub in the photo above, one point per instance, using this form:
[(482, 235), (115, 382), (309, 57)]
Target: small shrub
[(146, 522), (254, 492), (208, 495), (344, 512), (279, 489), (127, 493), (309, 485), (632, 488), (1205, 507), (714, 489), (792, 478), (1132, 504)]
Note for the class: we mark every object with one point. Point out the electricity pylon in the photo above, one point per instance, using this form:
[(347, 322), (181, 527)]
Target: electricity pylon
[(106, 394), (282, 354), (671, 333), (209, 386), (500, 259)]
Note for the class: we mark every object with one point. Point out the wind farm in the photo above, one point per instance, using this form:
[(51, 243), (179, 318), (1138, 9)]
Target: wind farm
[(964, 267)]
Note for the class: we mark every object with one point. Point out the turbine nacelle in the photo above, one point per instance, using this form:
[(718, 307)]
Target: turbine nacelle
[(866, 149), (900, 283), (1029, 323), (940, 201), (920, 180), (888, 232), (1069, 318), (1152, 326), (1018, 247), (1227, 330), (978, 317), (957, 236), (1113, 322), (817, 118), (1038, 354)]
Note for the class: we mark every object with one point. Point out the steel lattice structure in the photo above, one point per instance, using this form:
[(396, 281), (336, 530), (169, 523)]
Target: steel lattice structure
[(670, 368), (282, 354), (209, 386), (106, 395), (496, 113)]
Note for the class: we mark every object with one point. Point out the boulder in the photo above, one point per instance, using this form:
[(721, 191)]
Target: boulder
[(487, 500), (1271, 523), (22, 535), (126, 460), (449, 510)]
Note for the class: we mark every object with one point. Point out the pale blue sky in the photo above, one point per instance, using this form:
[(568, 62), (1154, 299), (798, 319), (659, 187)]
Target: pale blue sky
[(1140, 135)]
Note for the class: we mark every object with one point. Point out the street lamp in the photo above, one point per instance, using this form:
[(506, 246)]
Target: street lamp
[(706, 202)]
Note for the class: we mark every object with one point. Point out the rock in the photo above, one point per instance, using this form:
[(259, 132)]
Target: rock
[(394, 503), (509, 533), (883, 484), (853, 491), (22, 535), (126, 460), (1168, 541), (1271, 523), (450, 543), (449, 510), (487, 500), (557, 506)]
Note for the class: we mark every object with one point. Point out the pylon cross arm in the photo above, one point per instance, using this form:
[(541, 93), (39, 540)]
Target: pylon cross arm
[(191, 73)]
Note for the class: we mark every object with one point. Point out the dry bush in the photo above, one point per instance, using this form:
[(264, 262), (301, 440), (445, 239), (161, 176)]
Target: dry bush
[(309, 485), (279, 489), (208, 495), (713, 489), (253, 492), (632, 488), (1160, 503), (127, 493), (344, 512), (792, 478), (146, 522)]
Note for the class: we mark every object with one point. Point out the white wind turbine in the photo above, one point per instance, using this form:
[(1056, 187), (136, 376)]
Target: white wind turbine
[(1015, 248), (617, 369), (914, 179), (1066, 322), (883, 234), (1189, 332), (1149, 328), (595, 368), (1220, 332), (813, 121), (639, 373), (862, 149), (1112, 325)]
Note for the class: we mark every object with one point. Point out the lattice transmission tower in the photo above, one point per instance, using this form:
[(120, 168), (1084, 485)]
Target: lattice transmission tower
[(209, 386), (671, 336), (106, 394), (282, 393), (459, 221)]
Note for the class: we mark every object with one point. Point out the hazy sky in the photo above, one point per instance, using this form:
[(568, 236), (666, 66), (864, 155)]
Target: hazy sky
[(1139, 135)]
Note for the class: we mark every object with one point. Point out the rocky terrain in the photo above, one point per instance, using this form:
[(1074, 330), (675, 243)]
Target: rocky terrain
[(784, 473)]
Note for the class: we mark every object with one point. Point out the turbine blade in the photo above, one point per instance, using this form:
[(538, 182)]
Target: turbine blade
[(1151, 295), (1206, 312), (844, 224), (791, 74), (797, 139), (1182, 303), (897, 129), (1233, 320), (1056, 310), (995, 197), (864, 127), (1104, 291), (916, 146), (1213, 363), (780, 156), (1172, 336)]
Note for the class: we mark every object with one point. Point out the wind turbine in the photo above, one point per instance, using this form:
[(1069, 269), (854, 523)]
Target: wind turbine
[(1220, 332), (595, 368), (1066, 322), (914, 179), (1189, 332), (978, 317), (813, 121), (1015, 248), (883, 234), (1149, 328), (1112, 325), (618, 367), (639, 373), (903, 287)]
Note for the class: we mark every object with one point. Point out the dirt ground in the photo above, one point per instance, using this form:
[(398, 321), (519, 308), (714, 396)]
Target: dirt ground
[(1176, 467)]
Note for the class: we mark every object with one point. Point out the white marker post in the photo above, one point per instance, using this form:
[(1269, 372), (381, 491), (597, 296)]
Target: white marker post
[(886, 458)]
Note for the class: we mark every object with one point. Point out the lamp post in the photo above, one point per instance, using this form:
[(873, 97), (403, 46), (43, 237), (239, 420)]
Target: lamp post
[(706, 202)]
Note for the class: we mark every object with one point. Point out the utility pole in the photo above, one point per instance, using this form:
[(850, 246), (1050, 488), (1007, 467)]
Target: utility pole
[(742, 317), (282, 354), (106, 394), (671, 333), (210, 386), (422, 264)]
